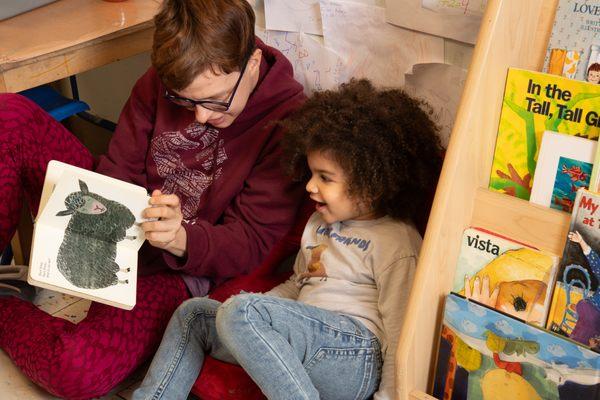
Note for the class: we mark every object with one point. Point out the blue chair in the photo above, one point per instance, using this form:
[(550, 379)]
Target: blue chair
[(57, 105), (60, 108)]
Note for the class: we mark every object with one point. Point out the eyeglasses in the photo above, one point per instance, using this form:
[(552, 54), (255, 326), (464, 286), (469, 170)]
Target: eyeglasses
[(213, 105)]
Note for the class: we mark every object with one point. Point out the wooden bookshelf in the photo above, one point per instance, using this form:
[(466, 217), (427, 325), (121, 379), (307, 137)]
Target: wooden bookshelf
[(514, 33)]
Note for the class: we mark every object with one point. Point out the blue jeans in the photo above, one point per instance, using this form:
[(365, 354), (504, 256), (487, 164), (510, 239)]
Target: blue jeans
[(290, 349)]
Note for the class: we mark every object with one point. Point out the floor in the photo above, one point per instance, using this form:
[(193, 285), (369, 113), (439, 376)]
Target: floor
[(15, 385)]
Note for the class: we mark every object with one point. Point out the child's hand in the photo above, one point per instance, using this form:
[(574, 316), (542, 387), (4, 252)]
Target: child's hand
[(481, 293), (166, 232), (577, 238)]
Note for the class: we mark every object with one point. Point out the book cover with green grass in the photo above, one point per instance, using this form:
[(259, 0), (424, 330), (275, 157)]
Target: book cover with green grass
[(535, 102)]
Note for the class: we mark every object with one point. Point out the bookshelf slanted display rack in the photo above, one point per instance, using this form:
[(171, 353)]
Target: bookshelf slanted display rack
[(514, 33)]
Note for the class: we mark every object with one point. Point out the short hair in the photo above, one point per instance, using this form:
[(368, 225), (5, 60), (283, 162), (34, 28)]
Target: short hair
[(593, 67), (384, 141), (193, 36)]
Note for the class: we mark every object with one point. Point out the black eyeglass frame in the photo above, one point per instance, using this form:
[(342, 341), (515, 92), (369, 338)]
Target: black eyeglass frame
[(212, 105)]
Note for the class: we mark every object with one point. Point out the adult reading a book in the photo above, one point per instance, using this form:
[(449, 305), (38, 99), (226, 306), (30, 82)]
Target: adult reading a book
[(197, 132)]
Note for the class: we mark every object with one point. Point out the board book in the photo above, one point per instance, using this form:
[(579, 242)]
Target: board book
[(575, 309), (485, 354), (87, 236), (533, 103), (505, 274), (574, 46), (564, 165)]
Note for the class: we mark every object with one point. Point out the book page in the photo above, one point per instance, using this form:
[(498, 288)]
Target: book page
[(44, 272), (87, 236), (564, 165), (63, 180)]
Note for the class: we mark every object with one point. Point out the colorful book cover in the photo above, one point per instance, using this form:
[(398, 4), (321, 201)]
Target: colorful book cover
[(575, 310), (486, 355), (564, 165), (535, 102), (506, 275), (574, 46)]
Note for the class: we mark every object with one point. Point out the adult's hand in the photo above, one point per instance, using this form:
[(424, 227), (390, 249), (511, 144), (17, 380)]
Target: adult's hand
[(165, 231)]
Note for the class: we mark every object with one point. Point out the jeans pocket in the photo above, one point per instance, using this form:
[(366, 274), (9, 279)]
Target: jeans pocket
[(345, 374)]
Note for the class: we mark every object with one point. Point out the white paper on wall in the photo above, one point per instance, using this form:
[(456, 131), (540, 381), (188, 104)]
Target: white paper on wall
[(441, 86), (259, 12), (473, 8), (439, 19), (293, 16), (372, 48), (315, 67)]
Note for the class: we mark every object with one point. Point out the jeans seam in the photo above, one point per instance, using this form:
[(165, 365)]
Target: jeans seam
[(370, 354), (251, 323), (366, 376), (176, 359), (333, 328)]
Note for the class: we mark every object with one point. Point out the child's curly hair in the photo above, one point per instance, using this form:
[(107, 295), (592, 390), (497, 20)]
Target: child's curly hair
[(384, 141)]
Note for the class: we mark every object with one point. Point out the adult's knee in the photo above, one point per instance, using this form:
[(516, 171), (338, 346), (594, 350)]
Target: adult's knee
[(73, 375)]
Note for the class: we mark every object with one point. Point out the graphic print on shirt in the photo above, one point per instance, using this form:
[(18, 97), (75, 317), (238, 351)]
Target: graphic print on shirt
[(188, 184), (315, 267)]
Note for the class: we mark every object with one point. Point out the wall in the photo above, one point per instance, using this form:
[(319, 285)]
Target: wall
[(107, 88)]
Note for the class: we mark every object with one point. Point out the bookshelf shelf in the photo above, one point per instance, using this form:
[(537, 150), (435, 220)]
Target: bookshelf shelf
[(514, 33), (521, 220)]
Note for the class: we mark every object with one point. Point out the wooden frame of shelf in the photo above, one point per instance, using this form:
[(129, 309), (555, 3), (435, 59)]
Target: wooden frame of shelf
[(514, 33)]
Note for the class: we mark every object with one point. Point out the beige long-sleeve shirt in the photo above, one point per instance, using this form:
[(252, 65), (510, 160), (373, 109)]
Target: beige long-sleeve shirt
[(363, 269)]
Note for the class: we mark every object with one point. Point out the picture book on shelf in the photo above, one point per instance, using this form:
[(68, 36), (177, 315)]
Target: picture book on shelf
[(574, 46), (505, 274), (533, 103), (564, 165), (487, 355), (575, 309), (87, 236)]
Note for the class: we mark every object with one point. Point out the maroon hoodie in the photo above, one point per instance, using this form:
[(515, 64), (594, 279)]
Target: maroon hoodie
[(235, 199)]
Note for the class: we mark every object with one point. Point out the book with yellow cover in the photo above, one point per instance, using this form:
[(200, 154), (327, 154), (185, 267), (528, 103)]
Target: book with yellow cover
[(535, 102)]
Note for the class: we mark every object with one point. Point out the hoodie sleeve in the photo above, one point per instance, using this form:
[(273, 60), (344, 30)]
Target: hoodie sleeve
[(126, 156), (259, 215)]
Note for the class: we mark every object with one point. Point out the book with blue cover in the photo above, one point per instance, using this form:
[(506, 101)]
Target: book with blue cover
[(487, 355)]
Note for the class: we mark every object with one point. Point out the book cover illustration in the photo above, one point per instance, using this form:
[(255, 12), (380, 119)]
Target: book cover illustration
[(575, 310), (506, 275), (86, 237), (486, 355), (564, 165), (535, 102), (574, 46)]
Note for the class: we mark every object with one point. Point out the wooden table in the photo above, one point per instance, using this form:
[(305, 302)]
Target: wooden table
[(71, 36)]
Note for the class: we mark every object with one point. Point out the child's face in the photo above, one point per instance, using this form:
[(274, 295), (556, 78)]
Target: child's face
[(594, 76), (327, 186)]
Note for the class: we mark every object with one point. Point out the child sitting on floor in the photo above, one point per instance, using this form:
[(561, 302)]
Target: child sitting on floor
[(372, 158)]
